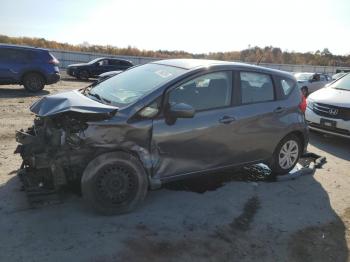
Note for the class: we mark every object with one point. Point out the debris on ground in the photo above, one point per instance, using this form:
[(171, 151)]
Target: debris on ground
[(254, 173)]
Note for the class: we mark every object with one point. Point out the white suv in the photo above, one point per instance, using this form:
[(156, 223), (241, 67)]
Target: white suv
[(328, 109)]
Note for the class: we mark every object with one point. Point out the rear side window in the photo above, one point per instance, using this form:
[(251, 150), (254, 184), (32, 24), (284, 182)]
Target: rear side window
[(287, 85), (205, 92), (16, 55), (256, 87)]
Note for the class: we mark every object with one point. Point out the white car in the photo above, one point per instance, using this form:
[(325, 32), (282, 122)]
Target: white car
[(328, 109)]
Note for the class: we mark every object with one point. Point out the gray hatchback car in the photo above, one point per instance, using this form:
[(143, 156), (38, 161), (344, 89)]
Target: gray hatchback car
[(161, 122)]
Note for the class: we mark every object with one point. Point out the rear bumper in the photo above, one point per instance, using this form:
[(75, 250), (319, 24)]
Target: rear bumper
[(342, 128), (53, 78)]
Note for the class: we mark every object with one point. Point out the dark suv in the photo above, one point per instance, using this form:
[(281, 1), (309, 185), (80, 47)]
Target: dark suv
[(32, 67), (161, 122), (97, 66)]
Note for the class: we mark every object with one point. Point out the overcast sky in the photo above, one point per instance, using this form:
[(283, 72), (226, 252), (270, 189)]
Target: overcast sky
[(195, 26)]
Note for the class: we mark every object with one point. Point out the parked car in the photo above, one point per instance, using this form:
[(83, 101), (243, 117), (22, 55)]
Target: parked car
[(310, 82), (97, 66), (32, 67), (338, 75), (328, 109), (106, 75), (161, 122)]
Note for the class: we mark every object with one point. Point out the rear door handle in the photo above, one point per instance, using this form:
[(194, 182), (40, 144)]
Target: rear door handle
[(227, 119), (279, 110)]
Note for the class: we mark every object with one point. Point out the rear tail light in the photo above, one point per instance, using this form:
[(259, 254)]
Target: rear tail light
[(54, 61), (303, 104)]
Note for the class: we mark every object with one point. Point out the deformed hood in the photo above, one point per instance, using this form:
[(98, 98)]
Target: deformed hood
[(72, 101)]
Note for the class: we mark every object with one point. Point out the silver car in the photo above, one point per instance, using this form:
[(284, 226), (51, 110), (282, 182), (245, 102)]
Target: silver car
[(311, 82)]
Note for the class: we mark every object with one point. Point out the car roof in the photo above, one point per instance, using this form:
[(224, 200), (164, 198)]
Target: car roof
[(191, 64), (112, 58), (23, 47)]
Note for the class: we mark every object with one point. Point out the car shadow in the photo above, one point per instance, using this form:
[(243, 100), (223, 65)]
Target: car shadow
[(18, 92), (334, 145), (247, 221)]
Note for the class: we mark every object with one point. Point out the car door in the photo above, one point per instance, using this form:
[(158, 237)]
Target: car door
[(261, 117), (208, 140)]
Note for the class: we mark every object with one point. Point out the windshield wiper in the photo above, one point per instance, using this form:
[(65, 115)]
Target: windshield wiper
[(339, 88), (99, 97)]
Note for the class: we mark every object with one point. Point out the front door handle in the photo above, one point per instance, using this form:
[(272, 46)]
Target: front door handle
[(227, 119), (279, 110)]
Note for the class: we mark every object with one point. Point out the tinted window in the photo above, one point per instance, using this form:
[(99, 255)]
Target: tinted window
[(16, 55), (125, 63), (205, 92), (114, 62), (118, 62), (287, 85), (256, 87), (4, 54), (103, 62)]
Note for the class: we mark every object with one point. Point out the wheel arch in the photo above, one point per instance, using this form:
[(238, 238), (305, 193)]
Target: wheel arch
[(24, 74), (146, 164)]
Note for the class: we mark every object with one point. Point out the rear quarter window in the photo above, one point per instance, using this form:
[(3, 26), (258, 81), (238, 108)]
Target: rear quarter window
[(287, 85)]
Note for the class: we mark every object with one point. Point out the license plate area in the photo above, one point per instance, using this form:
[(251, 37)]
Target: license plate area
[(330, 124)]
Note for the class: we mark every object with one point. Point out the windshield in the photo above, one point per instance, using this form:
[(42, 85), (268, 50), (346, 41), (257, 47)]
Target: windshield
[(303, 76), (131, 85), (342, 83)]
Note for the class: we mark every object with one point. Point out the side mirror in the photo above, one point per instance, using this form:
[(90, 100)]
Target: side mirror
[(97, 64), (181, 110)]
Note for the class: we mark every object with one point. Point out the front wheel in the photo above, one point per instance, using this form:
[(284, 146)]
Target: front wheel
[(286, 155), (114, 183)]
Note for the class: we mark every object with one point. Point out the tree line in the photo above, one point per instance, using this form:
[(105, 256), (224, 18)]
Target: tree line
[(254, 54)]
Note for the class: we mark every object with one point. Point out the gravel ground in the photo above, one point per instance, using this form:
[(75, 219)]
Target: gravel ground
[(306, 219)]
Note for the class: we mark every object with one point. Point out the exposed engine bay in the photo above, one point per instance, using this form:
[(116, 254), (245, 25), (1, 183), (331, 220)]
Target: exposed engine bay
[(51, 149)]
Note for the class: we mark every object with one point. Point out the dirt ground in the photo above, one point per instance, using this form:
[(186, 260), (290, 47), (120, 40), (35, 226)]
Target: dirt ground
[(306, 219)]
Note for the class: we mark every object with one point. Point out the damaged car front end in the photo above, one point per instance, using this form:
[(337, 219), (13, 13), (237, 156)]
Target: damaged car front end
[(54, 150)]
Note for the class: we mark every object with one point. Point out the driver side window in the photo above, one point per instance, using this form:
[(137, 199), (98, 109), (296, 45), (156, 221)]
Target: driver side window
[(205, 92), (103, 62)]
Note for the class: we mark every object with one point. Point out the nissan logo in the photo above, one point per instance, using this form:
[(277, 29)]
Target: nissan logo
[(333, 111)]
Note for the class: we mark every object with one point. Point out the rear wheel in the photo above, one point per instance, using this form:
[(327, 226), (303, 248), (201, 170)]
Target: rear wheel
[(286, 155), (114, 183), (33, 82)]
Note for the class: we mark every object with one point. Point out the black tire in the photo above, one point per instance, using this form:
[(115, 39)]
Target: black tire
[(83, 75), (305, 91), (276, 167), (114, 183), (33, 82)]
